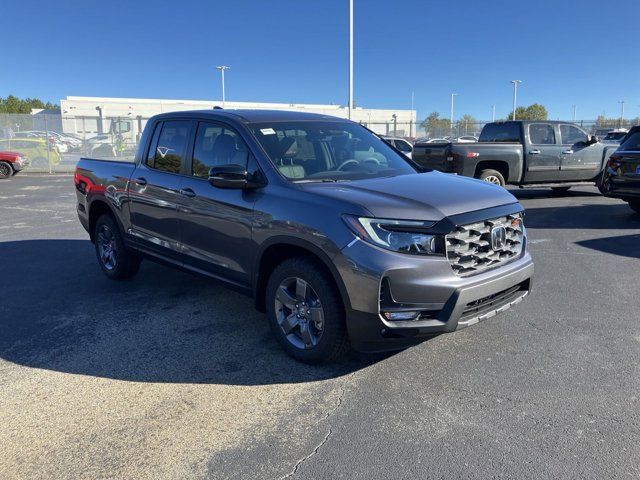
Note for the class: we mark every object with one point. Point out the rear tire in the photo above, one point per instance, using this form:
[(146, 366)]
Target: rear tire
[(305, 311), (635, 205), (6, 170), (115, 259), (492, 176), (560, 190)]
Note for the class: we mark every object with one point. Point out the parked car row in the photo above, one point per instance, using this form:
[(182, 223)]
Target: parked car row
[(35, 149)]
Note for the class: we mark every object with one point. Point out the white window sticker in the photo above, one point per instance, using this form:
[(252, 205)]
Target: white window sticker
[(267, 131)]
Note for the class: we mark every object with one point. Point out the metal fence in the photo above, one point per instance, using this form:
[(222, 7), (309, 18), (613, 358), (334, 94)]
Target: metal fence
[(54, 142)]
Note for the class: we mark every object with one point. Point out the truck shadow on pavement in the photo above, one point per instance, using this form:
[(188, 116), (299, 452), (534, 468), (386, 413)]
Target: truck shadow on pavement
[(586, 216), (534, 193), (58, 312), (624, 246)]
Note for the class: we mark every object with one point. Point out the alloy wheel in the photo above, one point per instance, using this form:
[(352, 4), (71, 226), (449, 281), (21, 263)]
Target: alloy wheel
[(299, 313), (493, 179), (107, 248), (5, 170)]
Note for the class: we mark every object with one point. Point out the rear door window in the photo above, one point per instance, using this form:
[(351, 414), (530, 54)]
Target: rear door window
[(542, 134), (172, 146), (507, 132)]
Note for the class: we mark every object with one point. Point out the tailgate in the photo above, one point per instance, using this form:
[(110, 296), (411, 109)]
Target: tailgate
[(432, 155)]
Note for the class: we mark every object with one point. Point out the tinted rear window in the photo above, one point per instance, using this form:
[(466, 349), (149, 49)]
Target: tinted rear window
[(501, 132), (632, 143)]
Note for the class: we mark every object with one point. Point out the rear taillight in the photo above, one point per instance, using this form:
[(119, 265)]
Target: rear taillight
[(614, 161)]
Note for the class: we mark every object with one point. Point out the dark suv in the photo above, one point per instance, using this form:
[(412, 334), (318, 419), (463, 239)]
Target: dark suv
[(337, 236), (621, 177)]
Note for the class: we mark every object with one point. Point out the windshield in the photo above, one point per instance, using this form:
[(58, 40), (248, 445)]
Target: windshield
[(307, 151)]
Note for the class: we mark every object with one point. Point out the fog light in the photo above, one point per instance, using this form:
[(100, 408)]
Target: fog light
[(396, 316)]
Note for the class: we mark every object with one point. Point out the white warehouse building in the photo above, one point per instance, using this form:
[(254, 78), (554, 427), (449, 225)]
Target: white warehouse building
[(90, 116)]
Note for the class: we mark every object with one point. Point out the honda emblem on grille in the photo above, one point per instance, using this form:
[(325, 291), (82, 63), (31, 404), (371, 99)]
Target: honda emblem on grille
[(498, 238)]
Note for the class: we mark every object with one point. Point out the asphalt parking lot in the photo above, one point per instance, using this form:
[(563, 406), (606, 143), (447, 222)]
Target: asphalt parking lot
[(172, 376)]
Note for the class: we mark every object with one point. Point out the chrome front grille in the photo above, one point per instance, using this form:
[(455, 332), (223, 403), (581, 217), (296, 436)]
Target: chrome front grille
[(470, 249)]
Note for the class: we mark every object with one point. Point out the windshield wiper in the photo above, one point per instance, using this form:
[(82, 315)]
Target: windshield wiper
[(321, 180)]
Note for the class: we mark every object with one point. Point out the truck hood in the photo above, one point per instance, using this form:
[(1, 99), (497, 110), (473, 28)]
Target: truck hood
[(426, 196)]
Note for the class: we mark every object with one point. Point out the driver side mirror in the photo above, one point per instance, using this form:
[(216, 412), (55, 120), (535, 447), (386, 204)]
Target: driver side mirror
[(592, 140), (232, 176)]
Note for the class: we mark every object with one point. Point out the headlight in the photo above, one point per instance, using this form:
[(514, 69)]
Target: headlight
[(404, 236)]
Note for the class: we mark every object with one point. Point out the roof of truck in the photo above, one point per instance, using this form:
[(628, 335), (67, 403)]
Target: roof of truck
[(253, 115)]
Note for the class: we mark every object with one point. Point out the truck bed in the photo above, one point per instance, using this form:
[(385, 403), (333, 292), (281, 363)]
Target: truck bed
[(462, 158)]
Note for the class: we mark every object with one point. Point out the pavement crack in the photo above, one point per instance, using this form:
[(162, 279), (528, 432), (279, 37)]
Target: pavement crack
[(317, 448)]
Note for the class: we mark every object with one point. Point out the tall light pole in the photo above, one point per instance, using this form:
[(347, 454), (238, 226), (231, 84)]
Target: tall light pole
[(451, 118), (411, 118), (222, 68), (515, 97), (621, 102), (493, 113), (350, 57), (573, 108)]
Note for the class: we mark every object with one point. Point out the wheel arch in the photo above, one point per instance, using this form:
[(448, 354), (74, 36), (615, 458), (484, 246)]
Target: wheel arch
[(97, 208), (279, 249), (498, 165)]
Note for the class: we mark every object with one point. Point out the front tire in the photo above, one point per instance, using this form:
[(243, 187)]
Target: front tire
[(305, 311), (635, 205), (6, 170), (492, 176), (115, 259)]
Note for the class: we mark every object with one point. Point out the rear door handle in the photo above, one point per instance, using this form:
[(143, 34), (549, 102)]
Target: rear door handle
[(567, 152), (534, 152), (140, 181), (187, 192)]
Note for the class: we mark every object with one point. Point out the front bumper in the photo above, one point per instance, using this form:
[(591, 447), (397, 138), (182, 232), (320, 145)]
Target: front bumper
[(20, 164), (447, 301)]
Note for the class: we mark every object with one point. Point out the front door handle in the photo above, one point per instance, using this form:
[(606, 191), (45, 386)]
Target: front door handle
[(187, 192), (567, 152), (140, 181), (534, 152)]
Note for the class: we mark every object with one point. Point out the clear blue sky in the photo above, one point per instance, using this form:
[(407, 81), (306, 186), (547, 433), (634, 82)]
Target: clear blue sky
[(296, 51)]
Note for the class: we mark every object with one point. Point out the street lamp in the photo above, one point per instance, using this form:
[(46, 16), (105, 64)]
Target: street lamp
[(452, 95), (493, 113), (515, 96), (573, 107), (222, 68), (621, 102)]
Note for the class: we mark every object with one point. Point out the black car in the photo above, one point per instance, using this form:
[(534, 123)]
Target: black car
[(621, 177)]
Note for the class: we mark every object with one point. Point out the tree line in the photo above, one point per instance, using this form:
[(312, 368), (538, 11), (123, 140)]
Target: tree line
[(13, 104), (435, 125)]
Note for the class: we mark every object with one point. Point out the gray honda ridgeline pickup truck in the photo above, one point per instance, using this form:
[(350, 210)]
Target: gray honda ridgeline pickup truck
[(337, 236)]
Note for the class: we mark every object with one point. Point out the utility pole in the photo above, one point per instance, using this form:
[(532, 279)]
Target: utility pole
[(493, 113), (350, 57), (515, 97), (573, 107), (452, 95), (411, 118), (222, 68)]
